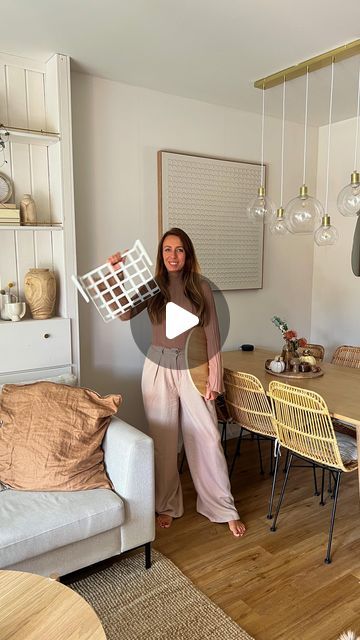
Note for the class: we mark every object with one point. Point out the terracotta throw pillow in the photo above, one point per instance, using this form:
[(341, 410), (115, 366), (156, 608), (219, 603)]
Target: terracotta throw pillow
[(50, 437)]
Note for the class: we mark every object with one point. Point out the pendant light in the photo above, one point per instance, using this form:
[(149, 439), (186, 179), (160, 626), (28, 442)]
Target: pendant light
[(278, 223), (348, 201), (304, 212), (326, 234), (261, 208)]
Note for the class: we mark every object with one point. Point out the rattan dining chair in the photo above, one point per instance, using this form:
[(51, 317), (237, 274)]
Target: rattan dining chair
[(347, 356), (316, 350), (249, 407), (304, 426)]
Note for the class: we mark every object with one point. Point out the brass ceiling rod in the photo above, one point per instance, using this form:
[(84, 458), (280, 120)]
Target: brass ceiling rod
[(313, 64)]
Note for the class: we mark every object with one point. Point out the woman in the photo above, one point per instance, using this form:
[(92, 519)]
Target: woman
[(170, 399)]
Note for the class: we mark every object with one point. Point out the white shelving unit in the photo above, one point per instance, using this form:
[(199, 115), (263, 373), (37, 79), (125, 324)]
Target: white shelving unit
[(35, 109), (29, 227), (29, 136)]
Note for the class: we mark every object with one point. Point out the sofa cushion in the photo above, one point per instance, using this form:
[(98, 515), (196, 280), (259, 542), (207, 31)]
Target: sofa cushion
[(347, 447), (51, 434), (33, 523)]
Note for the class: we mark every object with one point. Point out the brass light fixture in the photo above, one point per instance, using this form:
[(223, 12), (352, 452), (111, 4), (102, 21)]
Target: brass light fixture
[(278, 224), (326, 234), (261, 208), (348, 201), (308, 66), (304, 212)]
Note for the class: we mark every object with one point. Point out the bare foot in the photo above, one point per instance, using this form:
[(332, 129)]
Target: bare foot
[(237, 528), (164, 521)]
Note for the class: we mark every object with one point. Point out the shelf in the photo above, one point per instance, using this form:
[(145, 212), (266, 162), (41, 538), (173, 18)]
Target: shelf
[(31, 321), (52, 227), (29, 136)]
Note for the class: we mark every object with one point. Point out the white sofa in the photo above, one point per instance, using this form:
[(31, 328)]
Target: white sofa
[(60, 532)]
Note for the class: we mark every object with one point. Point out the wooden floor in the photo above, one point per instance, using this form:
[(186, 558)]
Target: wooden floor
[(275, 584)]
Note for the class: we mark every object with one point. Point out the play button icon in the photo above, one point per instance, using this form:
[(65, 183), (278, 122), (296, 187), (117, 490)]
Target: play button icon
[(178, 320)]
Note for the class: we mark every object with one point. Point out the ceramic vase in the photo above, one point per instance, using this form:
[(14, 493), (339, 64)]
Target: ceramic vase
[(289, 353), (27, 210), (15, 310), (40, 293), (5, 300)]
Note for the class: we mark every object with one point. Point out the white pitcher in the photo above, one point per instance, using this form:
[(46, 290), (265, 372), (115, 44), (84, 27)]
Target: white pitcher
[(15, 310), (5, 299)]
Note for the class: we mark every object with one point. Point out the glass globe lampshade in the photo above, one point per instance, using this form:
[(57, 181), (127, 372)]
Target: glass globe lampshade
[(303, 213), (278, 225), (348, 201), (326, 234), (261, 208)]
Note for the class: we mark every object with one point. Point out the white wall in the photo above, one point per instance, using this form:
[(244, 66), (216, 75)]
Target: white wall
[(117, 131), (336, 291)]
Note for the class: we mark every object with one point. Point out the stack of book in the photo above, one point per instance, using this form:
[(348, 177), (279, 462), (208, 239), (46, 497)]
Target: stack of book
[(9, 215)]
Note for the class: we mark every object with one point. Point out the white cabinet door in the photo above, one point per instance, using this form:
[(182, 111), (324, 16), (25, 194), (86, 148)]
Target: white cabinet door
[(34, 344)]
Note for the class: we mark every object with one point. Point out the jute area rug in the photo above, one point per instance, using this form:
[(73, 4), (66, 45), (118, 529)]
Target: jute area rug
[(134, 603)]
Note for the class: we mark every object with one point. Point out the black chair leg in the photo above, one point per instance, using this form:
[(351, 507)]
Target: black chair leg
[(260, 456), (181, 468), (330, 483), (286, 461), (316, 492), (332, 522), (271, 501), (148, 555), (333, 475), (237, 452), (271, 457), (322, 487), (223, 437), (288, 465)]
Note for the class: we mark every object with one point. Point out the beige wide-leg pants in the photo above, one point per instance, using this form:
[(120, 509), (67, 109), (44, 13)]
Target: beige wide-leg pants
[(171, 401)]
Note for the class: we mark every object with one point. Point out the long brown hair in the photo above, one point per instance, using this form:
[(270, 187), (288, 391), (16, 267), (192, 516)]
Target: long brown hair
[(190, 276)]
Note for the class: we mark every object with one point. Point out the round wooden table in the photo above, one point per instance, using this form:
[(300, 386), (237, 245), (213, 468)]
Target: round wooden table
[(33, 607)]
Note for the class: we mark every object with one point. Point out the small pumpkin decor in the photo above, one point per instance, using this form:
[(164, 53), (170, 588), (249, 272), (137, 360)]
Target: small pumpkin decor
[(277, 365), (307, 357)]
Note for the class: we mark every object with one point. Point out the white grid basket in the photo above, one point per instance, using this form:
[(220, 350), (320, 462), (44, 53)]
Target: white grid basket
[(114, 291)]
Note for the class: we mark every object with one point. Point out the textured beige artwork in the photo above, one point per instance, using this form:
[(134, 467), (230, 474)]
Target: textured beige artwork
[(207, 197)]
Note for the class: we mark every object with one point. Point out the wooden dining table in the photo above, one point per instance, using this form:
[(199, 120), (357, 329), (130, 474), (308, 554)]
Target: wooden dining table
[(339, 386)]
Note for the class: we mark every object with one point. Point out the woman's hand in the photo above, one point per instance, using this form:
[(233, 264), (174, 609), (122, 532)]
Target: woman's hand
[(210, 395), (115, 260)]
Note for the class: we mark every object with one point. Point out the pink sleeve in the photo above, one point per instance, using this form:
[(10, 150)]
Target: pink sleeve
[(213, 342)]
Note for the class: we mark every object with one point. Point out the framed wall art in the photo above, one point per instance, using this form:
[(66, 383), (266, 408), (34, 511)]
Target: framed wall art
[(207, 197)]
